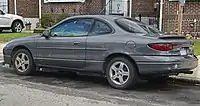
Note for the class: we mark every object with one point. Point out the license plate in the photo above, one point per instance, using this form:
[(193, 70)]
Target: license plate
[(183, 52)]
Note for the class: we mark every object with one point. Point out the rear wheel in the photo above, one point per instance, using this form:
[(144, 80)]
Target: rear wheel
[(17, 27), (121, 73), (23, 62)]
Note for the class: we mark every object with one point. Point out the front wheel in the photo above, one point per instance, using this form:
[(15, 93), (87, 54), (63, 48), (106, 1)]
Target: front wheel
[(23, 62), (121, 73), (17, 27)]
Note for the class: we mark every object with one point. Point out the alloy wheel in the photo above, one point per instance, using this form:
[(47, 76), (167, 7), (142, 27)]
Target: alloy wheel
[(22, 62), (18, 27), (119, 73)]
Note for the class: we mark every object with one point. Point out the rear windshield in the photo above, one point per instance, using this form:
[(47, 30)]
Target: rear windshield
[(134, 26)]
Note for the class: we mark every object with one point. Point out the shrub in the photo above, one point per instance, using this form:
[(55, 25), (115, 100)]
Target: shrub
[(38, 30), (61, 17), (48, 20)]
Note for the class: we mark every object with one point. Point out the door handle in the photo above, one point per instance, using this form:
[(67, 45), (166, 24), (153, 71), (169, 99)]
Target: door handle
[(76, 43)]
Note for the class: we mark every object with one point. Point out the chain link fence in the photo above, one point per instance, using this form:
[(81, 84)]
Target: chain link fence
[(191, 17)]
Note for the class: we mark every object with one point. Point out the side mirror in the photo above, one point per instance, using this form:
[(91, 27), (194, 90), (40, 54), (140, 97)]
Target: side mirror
[(46, 34), (2, 12)]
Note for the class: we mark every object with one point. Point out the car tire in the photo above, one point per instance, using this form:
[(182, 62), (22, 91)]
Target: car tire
[(17, 27), (23, 62), (121, 73)]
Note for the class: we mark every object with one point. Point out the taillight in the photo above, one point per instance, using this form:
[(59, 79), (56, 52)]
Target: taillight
[(161, 46)]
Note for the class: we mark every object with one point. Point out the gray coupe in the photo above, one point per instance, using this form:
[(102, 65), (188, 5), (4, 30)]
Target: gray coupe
[(120, 48)]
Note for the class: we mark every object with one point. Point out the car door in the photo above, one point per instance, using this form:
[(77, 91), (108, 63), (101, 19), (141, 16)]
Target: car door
[(96, 45), (66, 45), (4, 19)]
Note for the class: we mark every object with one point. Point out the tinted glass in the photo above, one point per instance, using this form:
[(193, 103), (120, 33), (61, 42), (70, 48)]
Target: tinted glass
[(144, 27), (74, 27), (154, 31), (101, 28), (130, 25)]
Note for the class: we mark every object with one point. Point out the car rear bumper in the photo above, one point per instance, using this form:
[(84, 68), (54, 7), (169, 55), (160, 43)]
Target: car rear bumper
[(166, 65)]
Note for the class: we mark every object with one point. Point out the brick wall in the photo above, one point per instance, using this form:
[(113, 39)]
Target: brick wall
[(143, 7), (89, 7), (26, 8), (29, 8), (191, 12)]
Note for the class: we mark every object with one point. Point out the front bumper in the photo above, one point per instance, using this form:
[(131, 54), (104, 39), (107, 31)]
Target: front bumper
[(166, 64), (7, 59)]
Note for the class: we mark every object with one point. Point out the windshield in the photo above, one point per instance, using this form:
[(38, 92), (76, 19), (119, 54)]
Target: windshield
[(134, 26)]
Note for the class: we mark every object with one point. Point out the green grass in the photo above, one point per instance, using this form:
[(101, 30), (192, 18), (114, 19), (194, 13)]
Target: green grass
[(197, 47), (10, 36)]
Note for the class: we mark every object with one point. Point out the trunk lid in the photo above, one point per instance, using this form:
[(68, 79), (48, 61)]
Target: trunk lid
[(180, 45)]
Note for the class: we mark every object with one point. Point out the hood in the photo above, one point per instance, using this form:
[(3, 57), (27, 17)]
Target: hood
[(14, 16), (27, 38)]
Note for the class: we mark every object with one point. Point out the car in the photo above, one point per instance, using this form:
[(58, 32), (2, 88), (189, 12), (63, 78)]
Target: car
[(119, 48), (9, 21)]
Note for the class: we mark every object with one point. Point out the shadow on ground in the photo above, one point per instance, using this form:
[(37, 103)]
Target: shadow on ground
[(84, 81)]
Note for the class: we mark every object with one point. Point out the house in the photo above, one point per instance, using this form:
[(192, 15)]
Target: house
[(4, 5), (32, 9), (29, 9), (148, 11)]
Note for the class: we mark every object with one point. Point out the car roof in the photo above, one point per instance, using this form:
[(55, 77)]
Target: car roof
[(99, 16), (104, 17)]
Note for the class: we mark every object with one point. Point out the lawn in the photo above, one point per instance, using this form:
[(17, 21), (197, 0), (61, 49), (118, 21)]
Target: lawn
[(4, 37), (197, 47)]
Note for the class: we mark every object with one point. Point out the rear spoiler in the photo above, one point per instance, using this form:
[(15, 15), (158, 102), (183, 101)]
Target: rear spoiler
[(168, 37)]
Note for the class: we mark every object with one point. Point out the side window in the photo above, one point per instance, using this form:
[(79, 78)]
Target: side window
[(152, 31), (130, 25), (101, 28), (144, 27), (74, 27)]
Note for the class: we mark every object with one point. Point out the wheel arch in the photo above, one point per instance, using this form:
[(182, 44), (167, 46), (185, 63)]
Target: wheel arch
[(113, 55), (15, 49), (18, 20)]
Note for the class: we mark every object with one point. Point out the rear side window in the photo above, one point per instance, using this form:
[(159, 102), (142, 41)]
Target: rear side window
[(130, 26), (101, 28), (154, 31)]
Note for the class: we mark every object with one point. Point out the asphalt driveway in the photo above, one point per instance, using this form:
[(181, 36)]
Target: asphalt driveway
[(57, 87)]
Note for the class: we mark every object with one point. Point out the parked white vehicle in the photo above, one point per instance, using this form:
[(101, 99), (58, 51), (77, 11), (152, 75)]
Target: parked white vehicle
[(9, 21)]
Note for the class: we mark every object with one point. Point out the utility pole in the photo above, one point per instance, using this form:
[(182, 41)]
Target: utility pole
[(180, 15), (15, 7), (161, 15), (130, 8), (40, 9)]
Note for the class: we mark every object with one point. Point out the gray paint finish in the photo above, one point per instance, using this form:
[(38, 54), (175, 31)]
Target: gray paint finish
[(88, 53)]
